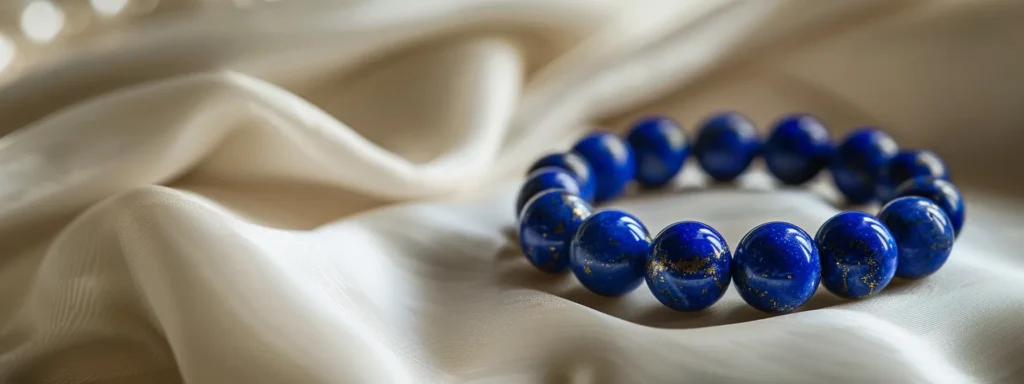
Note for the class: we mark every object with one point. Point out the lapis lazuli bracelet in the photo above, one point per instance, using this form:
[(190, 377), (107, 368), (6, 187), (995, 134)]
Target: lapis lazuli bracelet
[(776, 266)]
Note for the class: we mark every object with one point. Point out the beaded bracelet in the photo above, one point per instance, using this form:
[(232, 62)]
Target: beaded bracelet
[(776, 266)]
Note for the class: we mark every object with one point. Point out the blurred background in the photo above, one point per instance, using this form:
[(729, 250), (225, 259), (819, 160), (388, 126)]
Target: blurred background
[(35, 31), (932, 71)]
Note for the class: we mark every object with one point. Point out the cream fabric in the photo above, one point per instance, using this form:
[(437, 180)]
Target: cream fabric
[(322, 192)]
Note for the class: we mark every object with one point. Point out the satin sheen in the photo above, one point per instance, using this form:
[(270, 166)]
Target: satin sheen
[(322, 193)]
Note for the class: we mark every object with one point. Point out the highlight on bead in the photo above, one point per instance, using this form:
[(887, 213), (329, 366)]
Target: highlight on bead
[(612, 161), (858, 162), (547, 225), (907, 165), (776, 267), (576, 166), (660, 148), (543, 179), (726, 145), (689, 266), (608, 252), (923, 233), (941, 192), (858, 254), (797, 148)]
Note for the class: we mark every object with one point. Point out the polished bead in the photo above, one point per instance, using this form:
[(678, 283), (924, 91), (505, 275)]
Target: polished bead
[(907, 165), (543, 179), (939, 191), (923, 233), (547, 226), (725, 146), (612, 161), (608, 252), (576, 166), (858, 162), (858, 254), (660, 147), (797, 149), (776, 267), (688, 269)]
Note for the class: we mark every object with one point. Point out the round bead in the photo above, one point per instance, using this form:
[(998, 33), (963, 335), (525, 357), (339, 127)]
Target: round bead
[(612, 162), (576, 166), (660, 147), (940, 192), (776, 267), (688, 269), (547, 226), (858, 162), (858, 254), (907, 165), (726, 144), (924, 236), (543, 179), (608, 252), (797, 149)]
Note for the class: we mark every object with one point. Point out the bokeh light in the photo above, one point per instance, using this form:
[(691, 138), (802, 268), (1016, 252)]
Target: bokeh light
[(108, 8), (42, 21)]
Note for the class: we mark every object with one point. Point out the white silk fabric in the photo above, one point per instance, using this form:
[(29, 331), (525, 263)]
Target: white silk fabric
[(322, 192)]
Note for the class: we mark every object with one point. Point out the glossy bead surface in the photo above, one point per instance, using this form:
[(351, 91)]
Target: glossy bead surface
[(907, 165), (576, 166), (939, 191), (688, 269), (858, 162), (547, 226), (858, 254), (608, 252), (776, 267), (797, 149), (612, 161), (726, 144), (543, 179), (924, 236), (660, 148)]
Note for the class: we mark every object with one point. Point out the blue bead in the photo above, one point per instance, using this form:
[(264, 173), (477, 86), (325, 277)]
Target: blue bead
[(726, 145), (547, 226), (576, 166), (939, 191), (612, 162), (797, 149), (608, 252), (923, 235), (688, 269), (907, 165), (543, 179), (858, 163), (776, 267), (660, 147), (858, 254)]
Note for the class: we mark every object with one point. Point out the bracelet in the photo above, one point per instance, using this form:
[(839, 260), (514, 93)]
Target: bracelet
[(776, 266)]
